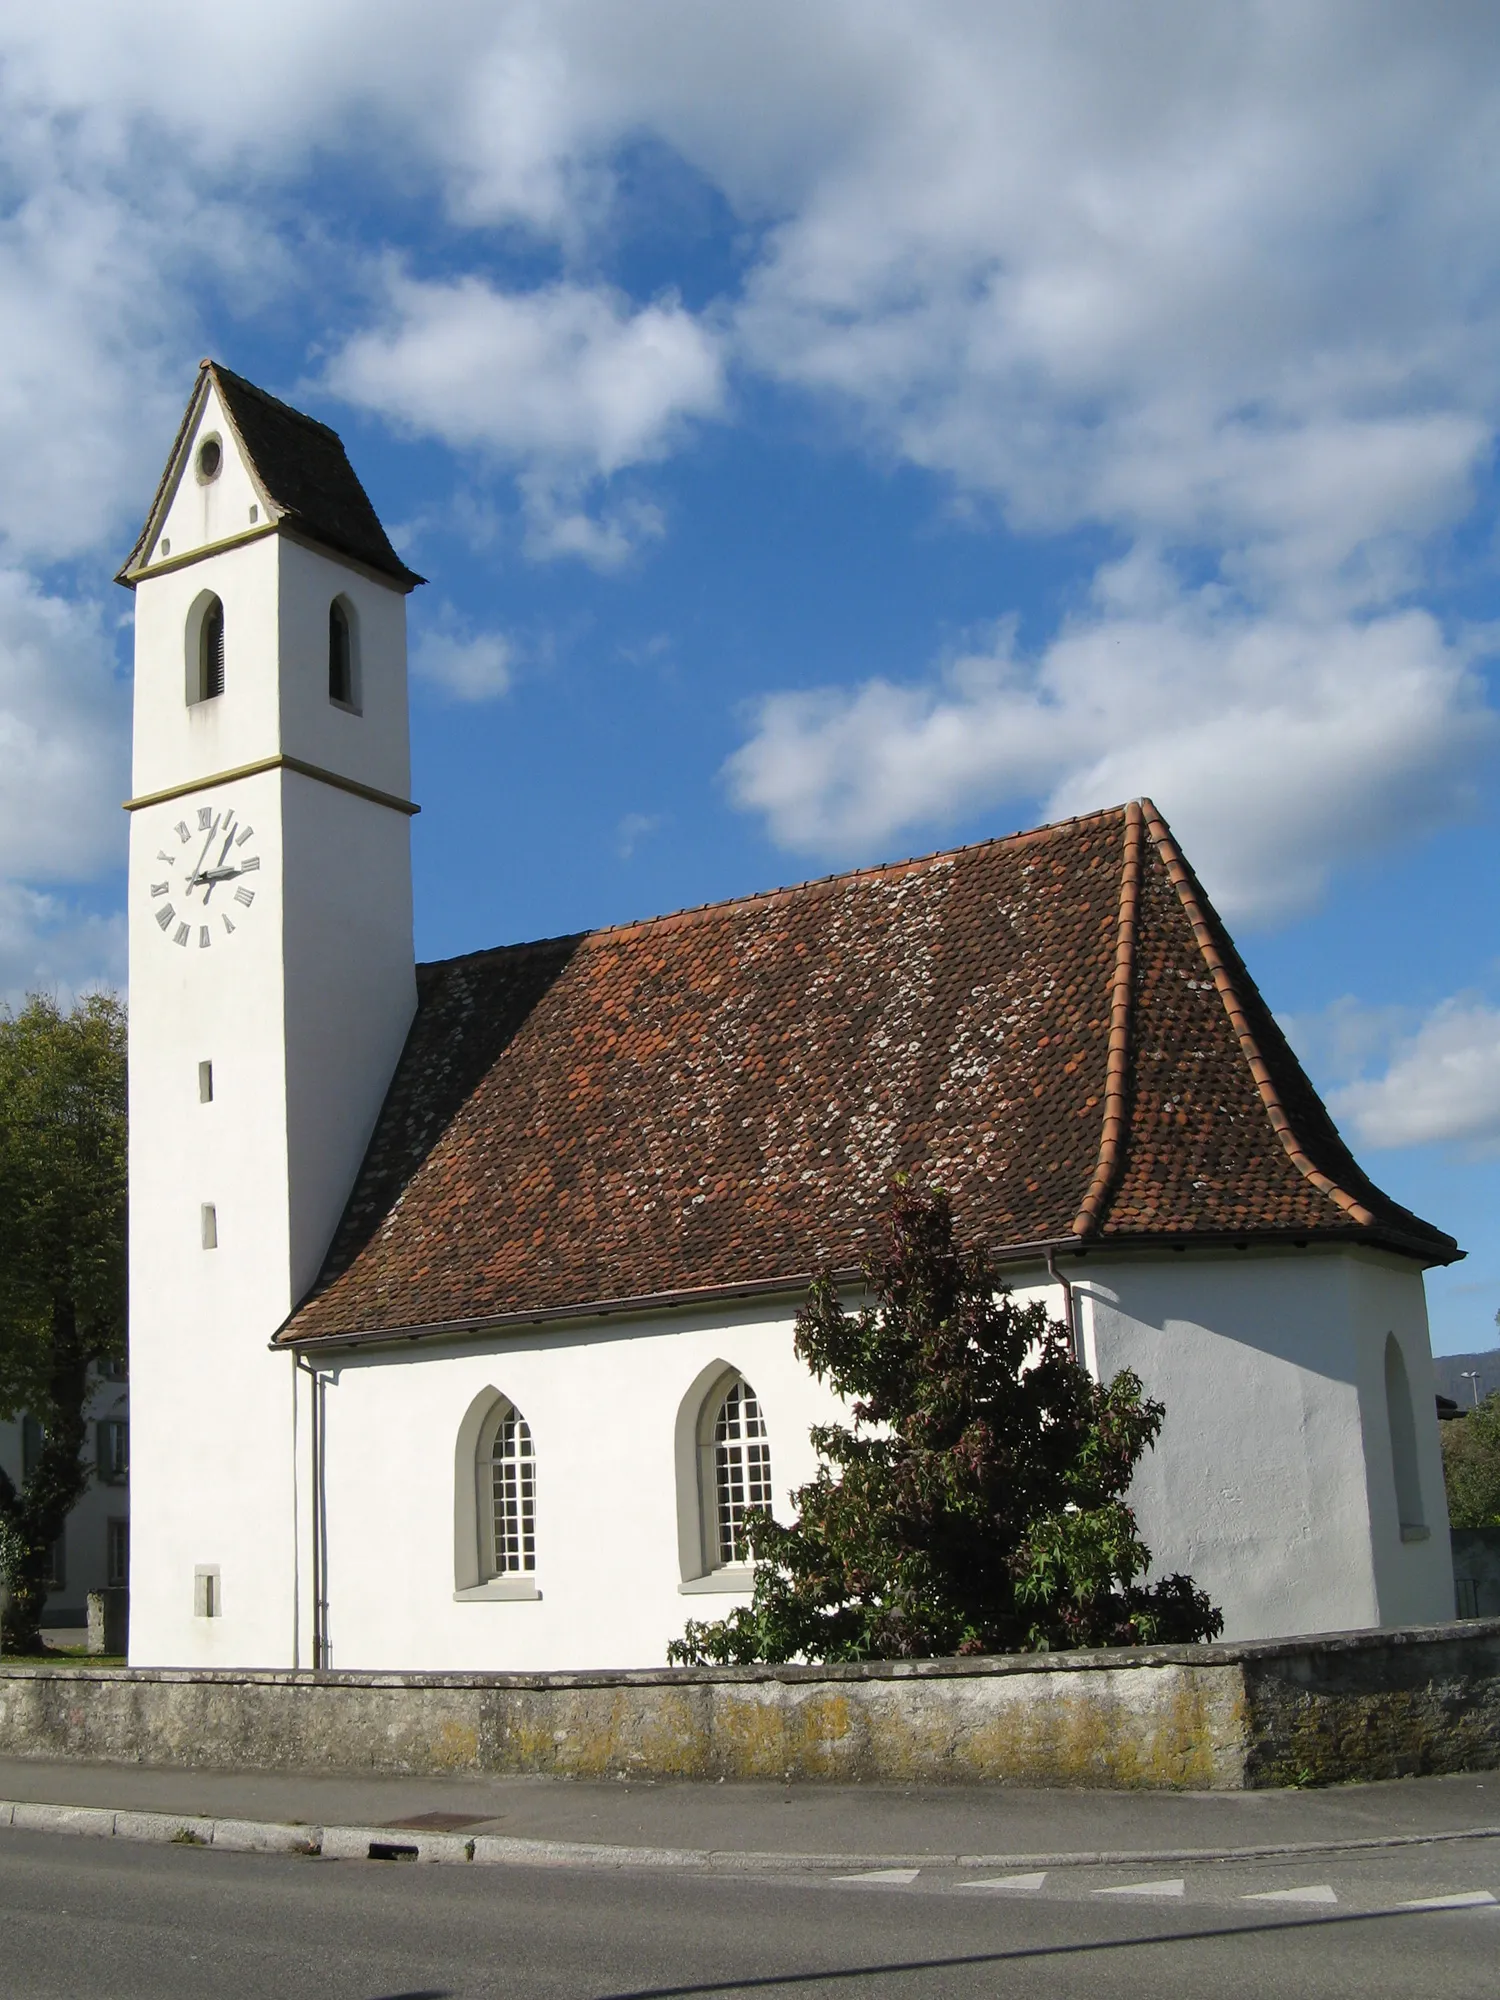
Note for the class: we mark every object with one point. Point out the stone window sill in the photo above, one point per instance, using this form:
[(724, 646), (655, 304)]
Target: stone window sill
[(499, 1590), (735, 1581), (1414, 1531)]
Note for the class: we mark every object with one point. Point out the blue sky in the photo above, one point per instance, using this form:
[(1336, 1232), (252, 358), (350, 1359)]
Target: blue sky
[(831, 433)]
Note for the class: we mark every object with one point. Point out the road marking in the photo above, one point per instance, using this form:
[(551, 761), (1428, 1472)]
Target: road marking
[(1471, 1899), (1021, 1885), (1317, 1893), (1172, 1888), (894, 1878)]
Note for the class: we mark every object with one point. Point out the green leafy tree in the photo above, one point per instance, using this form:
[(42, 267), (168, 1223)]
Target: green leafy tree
[(62, 1264), (1471, 1466), (976, 1503)]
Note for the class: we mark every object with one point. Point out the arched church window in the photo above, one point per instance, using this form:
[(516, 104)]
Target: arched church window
[(1402, 1422), (340, 655), (741, 1464), (206, 659), (507, 1487)]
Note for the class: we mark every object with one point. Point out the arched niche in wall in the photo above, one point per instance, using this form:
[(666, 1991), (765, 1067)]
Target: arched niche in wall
[(1402, 1423)]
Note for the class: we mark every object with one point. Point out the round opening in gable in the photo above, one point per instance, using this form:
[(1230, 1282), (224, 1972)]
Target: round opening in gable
[(210, 458)]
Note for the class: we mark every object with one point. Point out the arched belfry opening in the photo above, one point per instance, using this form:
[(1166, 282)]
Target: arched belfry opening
[(343, 682), (205, 649)]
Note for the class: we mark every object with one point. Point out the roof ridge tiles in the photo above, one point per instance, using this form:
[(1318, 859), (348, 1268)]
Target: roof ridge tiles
[(1204, 931), (692, 913), (1113, 1131)]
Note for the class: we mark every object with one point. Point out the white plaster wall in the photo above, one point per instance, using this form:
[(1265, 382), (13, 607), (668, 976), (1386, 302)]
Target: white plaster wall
[(1259, 1486), (1413, 1579), (349, 995), (372, 746), (177, 741), (602, 1405)]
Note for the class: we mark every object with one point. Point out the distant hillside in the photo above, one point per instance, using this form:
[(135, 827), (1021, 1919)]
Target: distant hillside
[(1449, 1371)]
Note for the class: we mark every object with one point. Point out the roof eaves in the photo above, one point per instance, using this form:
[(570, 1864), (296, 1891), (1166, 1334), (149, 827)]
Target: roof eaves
[(126, 573)]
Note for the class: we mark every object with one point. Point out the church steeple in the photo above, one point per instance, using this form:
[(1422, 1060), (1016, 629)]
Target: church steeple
[(243, 465), (270, 952)]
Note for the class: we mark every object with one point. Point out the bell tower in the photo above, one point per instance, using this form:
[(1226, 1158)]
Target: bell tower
[(271, 986)]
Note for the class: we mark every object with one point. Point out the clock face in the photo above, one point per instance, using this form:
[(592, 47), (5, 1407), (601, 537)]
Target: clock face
[(204, 877)]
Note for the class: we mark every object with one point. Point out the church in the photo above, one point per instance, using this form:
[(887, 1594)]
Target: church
[(462, 1294)]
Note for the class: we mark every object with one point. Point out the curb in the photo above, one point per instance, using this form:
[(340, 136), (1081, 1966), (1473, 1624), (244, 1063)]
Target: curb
[(395, 1843)]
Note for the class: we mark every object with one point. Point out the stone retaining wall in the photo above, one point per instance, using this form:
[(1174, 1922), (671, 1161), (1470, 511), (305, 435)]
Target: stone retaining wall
[(1215, 1718)]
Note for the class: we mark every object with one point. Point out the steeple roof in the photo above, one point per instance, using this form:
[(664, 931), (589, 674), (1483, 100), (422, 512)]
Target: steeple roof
[(300, 468), (1055, 1027)]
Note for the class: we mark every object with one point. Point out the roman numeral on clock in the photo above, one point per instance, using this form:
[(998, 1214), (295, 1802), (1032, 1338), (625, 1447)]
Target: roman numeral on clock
[(245, 896)]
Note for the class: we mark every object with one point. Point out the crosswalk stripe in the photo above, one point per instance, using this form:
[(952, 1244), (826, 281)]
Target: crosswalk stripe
[(896, 1877), (1316, 1893), (1018, 1884), (1172, 1888)]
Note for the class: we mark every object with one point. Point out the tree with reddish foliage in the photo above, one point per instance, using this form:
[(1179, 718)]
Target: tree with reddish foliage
[(975, 1504)]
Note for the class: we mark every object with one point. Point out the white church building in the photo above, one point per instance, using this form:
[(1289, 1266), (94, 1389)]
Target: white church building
[(462, 1295)]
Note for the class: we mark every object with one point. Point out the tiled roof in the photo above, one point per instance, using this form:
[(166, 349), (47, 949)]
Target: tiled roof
[(303, 471), (1054, 1027)]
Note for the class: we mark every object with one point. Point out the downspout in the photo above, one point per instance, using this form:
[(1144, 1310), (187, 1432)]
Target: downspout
[(1070, 1317), (319, 1608)]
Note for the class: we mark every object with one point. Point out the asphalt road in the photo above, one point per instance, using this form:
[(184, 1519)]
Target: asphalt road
[(108, 1920)]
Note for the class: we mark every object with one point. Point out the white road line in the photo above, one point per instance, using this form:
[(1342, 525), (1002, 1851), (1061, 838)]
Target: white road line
[(1471, 1899), (890, 1878), (1172, 1888), (1316, 1893), (1020, 1885)]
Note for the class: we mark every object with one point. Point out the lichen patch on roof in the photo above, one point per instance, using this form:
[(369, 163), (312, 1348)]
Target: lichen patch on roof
[(1055, 1027)]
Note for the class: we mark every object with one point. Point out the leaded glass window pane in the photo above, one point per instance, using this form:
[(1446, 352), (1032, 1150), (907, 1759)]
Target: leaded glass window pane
[(742, 1469), (513, 1488)]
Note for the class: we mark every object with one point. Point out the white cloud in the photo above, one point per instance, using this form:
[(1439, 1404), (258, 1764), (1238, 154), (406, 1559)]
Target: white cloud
[(1442, 1083), (1220, 281), (1274, 746), (47, 945), (633, 828), (468, 666), (62, 737), (570, 383)]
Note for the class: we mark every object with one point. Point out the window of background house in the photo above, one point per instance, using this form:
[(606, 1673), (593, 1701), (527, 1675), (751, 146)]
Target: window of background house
[(116, 1553), (113, 1451)]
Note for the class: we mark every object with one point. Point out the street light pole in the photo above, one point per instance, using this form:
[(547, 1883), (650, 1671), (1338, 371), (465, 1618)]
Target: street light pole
[(1471, 1376)]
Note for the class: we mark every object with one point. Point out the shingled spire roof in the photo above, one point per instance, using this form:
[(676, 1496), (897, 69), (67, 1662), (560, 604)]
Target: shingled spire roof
[(1055, 1027), (301, 468)]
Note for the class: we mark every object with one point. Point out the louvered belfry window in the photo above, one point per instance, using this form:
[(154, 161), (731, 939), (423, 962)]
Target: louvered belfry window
[(742, 1468), (513, 1487), (211, 655)]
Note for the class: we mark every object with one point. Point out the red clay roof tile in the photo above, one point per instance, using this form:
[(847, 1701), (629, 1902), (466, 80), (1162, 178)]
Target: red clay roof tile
[(1055, 1027)]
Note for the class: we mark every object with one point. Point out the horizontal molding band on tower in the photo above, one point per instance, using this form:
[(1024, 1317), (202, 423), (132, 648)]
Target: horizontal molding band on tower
[(280, 762)]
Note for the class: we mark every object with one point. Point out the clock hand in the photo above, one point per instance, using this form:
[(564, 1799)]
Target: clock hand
[(197, 874)]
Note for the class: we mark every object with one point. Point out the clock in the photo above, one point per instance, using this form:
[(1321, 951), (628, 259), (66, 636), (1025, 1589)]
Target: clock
[(203, 880)]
